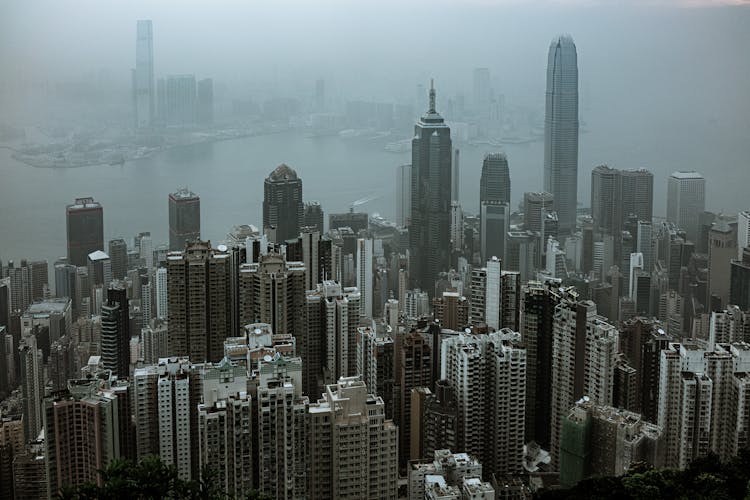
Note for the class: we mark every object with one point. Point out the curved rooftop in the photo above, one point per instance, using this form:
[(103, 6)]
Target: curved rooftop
[(283, 173)]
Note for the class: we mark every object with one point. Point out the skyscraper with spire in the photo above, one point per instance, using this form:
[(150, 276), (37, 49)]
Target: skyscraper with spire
[(561, 130), (429, 230)]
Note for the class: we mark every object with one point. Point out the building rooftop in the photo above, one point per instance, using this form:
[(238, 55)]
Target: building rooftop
[(686, 175), (98, 255), (283, 173), (183, 194), (49, 306), (82, 203)]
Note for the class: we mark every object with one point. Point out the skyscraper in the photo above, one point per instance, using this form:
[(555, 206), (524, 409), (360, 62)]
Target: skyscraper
[(282, 203), (429, 235), (561, 130), (205, 106), (85, 229), (143, 78), (199, 302), (493, 233), (118, 254), (618, 194), (182, 102), (115, 336), (403, 195), (494, 185), (364, 276), (184, 218), (686, 201)]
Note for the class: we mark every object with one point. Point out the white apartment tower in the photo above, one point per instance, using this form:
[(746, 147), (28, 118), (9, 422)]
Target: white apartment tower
[(161, 293), (488, 376), (352, 450), (364, 276), (584, 352)]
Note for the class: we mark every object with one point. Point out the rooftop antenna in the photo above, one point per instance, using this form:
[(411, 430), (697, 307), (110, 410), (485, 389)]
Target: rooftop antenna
[(432, 95)]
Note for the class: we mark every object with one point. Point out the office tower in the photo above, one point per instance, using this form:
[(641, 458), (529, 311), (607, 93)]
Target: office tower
[(181, 101), (536, 206), (118, 254), (451, 310), (722, 247), (39, 271), (413, 368), (686, 200), (645, 244), (273, 291), (617, 194), (364, 276), (205, 106), (584, 347), (495, 225), (403, 195), (482, 89), (99, 269), (161, 293), (356, 221), (351, 446), (145, 246), (456, 177), (65, 280), (143, 77), (739, 286), (184, 218), (309, 240), (32, 385), (743, 232), (225, 428), (281, 428), (494, 184), (375, 364), (85, 229), (82, 433), (457, 227), (116, 331), (198, 301), (165, 407), (329, 350), (487, 373), (599, 440), (314, 217), (561, 131), (282, 203), (429, 235), (443, 475)]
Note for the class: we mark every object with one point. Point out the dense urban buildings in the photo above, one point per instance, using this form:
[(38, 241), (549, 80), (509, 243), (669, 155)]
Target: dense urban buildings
[(561, 131)]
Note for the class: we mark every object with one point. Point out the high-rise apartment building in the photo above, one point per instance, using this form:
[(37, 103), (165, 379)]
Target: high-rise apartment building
[(413, 368), (351, 446), (314, 217), (32, 385), (143, 75), (403, 195), (161, 293), (451, 310), (599, 440), (561, 131), (739, 282), (282, 203), (329, 346), (364, 276), (85, 229), (199, 301), (494, 184), (118, 254), (743, 232), (115, 335), (375, 364), (686, 201), (429, 235), (487, 373), (722, 247), (584, 350), (184, 219)]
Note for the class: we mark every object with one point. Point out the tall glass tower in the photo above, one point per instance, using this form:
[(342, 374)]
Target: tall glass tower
[(429, 229), (561, 131), (143, 75)]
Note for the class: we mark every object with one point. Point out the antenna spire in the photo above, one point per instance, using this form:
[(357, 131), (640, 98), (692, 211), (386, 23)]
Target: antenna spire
[(432, 96)]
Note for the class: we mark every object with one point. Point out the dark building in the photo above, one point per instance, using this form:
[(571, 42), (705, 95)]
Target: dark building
[(184, 218), (739, 286), (618, 194), (118, 255), (115, 335), (494, 185), (439, 420), (356, 221), (429, 234), (282, 203), (84, 222), (561, 130), (314, 216)]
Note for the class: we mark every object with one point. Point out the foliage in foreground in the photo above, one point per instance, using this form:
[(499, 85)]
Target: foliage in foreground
[(148, 479), (705, 478)]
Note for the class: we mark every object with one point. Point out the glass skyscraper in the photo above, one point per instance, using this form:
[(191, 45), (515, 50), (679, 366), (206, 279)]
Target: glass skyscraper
[(561, 131)]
